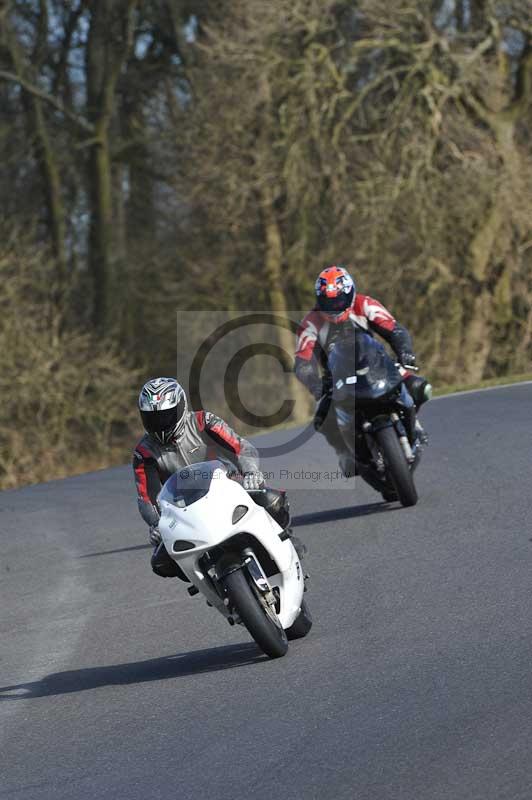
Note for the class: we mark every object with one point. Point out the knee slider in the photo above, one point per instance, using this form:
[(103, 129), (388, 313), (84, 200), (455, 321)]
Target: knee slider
[(162, 564)]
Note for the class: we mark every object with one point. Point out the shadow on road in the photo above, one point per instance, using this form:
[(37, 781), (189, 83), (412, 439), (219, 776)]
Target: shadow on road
[(212, 659), (118, 550), (349, 512)]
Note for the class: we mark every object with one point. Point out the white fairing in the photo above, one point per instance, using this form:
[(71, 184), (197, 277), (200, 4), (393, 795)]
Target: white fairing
[(207, 522)]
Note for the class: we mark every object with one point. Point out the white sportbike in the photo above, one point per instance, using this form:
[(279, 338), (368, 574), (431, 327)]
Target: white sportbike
[(235, 554)]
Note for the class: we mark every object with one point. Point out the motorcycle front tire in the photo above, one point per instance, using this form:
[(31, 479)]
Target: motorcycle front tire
[(397, 466), (270, 637)]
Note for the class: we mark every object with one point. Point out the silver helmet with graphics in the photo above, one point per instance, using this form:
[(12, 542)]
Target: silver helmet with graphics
[(163, 408)]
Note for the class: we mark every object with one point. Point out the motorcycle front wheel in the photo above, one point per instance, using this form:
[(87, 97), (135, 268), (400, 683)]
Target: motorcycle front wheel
[(397, 466), (261, 624)]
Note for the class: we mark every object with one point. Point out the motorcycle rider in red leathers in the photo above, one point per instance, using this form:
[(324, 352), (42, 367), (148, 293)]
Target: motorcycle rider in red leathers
[(175, 438), (339, 310)]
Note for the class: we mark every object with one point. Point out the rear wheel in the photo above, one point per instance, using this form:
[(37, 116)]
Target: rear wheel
[(397, 466), (262, 624), (301, 625)]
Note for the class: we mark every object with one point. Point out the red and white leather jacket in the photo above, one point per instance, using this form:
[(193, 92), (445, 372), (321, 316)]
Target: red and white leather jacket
[(316, 336)]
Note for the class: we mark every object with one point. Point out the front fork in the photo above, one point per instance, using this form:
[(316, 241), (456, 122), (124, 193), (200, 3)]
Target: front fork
[(403, 438), (394, 420), (387, 422), (350, 434), (346, 425), (253, 568)]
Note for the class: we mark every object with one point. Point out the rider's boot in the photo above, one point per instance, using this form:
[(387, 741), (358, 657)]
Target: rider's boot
[(276, 504), (164, 566), (329, 428), (421, 433), (421, 391), (414, 429), (409, 419), (282, 516), (299, 547), (347, 464)]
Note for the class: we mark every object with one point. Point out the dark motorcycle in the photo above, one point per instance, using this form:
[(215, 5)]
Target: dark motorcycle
[(367, 390)]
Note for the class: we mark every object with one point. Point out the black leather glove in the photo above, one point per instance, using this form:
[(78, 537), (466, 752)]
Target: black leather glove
[(253, 480), (408, 359), (307, 374), (154, 535)]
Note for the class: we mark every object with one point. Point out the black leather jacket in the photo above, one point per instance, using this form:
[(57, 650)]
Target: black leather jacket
[(205, 437)]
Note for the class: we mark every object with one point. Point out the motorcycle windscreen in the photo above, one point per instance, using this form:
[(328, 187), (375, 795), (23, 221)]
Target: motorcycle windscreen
[(191, 483), (362, 370)]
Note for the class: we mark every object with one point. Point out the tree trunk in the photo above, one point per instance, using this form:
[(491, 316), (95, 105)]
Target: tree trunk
[(48, 165), (490, 255), (53, 193), (478, 14), (479, 317), (109, 41), (101, 224), (274, 246), (276, 284)]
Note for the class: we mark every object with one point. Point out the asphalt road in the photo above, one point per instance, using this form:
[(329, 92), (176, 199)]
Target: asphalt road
[(414, 684)]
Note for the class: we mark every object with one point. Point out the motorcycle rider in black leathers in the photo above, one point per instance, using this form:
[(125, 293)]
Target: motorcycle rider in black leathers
[(175, 438), (339, 310)]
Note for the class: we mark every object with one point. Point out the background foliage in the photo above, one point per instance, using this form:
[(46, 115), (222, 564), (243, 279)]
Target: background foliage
[(170, 155)]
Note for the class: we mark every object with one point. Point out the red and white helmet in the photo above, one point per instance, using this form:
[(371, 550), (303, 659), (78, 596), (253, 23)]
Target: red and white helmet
[(163, 408), (335, 290)]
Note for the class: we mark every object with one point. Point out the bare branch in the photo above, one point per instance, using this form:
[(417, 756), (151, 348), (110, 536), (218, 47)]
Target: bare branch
[(80, 122)]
